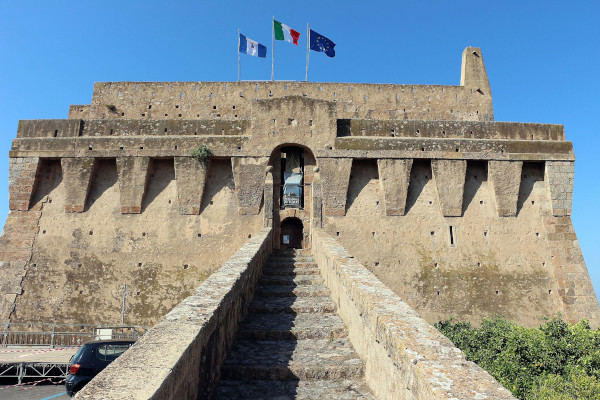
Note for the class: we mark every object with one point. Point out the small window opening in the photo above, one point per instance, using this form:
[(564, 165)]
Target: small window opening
[(91, 233), (337, 234), (199, 235), (485, 233), (451, 236), (185, 266), (121, 148), (56, 133)]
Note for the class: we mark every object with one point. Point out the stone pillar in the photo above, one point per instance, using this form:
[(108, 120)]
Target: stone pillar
[(249, 178), (449, 178), (77, 174), (21, 182), (190, 176), (505, 179), (559, 181), (335, 175), (133, 178), (268, 201), (394, 176), (317, 201)]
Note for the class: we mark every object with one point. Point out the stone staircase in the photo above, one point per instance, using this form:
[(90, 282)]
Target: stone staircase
[(292, 344)]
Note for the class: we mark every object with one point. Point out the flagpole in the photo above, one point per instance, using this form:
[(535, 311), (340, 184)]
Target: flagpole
[(239, 63), (272, 47), (307, 48)]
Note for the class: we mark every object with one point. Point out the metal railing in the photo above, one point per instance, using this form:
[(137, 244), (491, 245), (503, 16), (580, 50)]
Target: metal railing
[(63, 335)]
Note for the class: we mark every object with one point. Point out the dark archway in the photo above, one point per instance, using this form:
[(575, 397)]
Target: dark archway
[(291, 235)]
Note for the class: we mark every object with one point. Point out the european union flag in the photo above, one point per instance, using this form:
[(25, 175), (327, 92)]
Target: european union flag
[(320, 43)]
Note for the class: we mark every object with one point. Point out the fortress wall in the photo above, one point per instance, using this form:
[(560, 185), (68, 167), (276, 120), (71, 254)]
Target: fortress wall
[(472, 265), (233, 100), (76, 262)]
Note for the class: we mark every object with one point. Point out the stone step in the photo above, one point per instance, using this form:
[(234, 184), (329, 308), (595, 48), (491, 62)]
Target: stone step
[(292, 291), (292, 305), (290, 270), (297, 264), (291, 280), (307, 359), (292, 326), (298, 390)]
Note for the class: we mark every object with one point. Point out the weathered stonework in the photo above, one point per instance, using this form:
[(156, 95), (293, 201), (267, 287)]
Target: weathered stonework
[(455, 212)]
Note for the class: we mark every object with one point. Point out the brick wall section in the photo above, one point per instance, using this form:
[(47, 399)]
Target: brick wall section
[(394, 176), (249, 176), (505, 178), (449, 178), (181, 356), (16, 247), (77, 173), (190, 175), (21, 182), (335, 173), (133, 179), (405, 357), (574, 284), (559, 175)]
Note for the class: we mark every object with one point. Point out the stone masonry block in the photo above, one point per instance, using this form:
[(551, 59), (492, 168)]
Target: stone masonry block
[(76, 177), (559, 182), (190, 175), (133, 178), (505, 178), (394, 175), (449, 178), (335, 173), (22, 174), (249, 178)]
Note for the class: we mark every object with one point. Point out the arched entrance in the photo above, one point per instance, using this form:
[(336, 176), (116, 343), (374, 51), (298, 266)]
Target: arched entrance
[(291, 235)]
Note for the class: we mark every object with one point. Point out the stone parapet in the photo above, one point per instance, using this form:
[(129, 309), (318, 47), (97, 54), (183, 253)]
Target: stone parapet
[(181, 356), (405, 357)]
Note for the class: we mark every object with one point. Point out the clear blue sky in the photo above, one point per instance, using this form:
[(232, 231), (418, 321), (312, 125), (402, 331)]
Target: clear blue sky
[(542, 59)]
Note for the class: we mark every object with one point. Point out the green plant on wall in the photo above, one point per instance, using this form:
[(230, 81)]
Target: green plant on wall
[(111, 107), (202, 153)]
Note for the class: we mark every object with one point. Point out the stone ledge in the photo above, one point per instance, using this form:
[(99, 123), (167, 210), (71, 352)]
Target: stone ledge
[(405, 356), (181, 356)]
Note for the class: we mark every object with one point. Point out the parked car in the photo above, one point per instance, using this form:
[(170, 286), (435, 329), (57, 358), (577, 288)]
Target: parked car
[(92, 358)]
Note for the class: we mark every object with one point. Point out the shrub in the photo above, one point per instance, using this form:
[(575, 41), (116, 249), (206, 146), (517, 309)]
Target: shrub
[(555, 359), (202, 153)]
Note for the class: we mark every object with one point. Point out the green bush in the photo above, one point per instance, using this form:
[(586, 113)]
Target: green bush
[(556, 359), (202, 153)]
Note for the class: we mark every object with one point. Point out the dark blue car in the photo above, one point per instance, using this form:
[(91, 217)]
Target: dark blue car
[(92, 358)]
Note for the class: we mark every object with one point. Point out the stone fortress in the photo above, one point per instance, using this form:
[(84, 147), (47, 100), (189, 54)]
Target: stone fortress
[(454, 212)]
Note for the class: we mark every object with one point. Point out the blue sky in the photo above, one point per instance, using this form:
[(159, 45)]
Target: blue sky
[(542, 60)]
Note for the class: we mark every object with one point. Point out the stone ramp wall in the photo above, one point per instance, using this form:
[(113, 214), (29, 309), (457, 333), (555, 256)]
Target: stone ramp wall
[(181, 356), (405, 357)]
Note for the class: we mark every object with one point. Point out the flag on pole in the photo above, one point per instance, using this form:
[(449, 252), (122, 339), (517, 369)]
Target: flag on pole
[(284, 32), (252, 47), (322, 44)]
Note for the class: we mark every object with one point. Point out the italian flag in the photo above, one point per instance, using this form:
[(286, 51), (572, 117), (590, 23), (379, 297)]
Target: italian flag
[(284, 32)]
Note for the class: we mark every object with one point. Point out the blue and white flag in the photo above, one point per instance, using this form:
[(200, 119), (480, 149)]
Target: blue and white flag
[(251, 47)]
